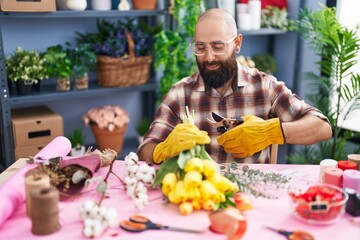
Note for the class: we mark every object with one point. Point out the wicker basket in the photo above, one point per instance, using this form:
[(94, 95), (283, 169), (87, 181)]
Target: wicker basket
[(120, 72)]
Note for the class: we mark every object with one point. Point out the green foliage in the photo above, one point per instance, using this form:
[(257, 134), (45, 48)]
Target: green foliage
[(76, 137), (171, 46), (82, 57), (338, 46), (170, 165), (274, 17), (58, 63), (254, 181), (143, 126), (25, 65), (265, 62)]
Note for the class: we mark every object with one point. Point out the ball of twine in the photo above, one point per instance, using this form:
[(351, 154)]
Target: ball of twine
[(44, 211)]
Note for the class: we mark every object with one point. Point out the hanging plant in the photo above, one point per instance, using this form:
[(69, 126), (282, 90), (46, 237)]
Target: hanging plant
[(171, 46)]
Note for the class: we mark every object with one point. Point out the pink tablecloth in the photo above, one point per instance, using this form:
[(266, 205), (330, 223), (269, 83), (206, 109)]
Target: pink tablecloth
[(274, 213)]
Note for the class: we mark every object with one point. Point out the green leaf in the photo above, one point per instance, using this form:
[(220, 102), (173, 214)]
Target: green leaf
[(169, 165), (184, 157)]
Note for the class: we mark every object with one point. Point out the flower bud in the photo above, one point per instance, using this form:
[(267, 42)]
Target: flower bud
[(208, 205), (186, 208), (209, 167), (192, 179), (178, 194), (207, 190), (168, 183), (196, 204), (194, 164), (193, 193)]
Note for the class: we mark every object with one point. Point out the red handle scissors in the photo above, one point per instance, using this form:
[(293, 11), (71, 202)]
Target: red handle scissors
[(138, 223), (293, 235)]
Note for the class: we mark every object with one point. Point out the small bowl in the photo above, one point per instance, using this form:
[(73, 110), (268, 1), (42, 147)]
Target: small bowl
[(318, 204)]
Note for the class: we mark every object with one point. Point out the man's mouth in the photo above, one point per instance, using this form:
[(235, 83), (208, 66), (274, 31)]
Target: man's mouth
[(212, 66)]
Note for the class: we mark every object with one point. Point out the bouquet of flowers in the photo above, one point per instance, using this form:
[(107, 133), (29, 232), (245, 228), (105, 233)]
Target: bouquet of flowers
[(107, 117)]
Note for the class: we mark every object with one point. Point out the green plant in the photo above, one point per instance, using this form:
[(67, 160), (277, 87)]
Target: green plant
[(274, 17), (77, 138), (25, 65), (171, 46), (335, 97), (58, 63), (265, 62), (82, 57), (143, 126)]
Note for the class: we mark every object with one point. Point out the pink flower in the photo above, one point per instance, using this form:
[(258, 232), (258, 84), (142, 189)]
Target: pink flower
[(107, 117)]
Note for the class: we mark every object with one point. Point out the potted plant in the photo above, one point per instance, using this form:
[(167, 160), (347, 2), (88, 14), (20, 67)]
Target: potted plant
[(108, 124), (265, 62), (171, 46), (141, 128), (77, 138), (83, 60), (58, 65), (335, 96), (25, 68)]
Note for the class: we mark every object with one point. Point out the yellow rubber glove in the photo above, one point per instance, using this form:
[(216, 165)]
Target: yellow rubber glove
[(252, 136), (183, 137)]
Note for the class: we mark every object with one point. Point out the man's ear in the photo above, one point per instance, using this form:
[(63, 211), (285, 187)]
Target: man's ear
[(238, 42)]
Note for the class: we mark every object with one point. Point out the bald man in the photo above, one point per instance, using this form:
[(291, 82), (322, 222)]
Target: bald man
[(272, 114)]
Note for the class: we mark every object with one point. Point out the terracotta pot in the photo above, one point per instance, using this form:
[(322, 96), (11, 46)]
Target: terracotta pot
[(106, 139), (144, 4)]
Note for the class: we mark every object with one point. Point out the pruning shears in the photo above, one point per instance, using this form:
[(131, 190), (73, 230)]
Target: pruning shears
[(223, 123)]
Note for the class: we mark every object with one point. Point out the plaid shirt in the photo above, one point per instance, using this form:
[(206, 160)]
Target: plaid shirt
[(254, 93)]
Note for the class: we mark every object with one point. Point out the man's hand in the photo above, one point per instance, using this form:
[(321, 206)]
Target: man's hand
[(252, 136), (184, 136)]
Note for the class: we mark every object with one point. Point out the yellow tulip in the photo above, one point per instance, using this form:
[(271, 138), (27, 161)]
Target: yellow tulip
[(208, 205), (217, 180), (168, 183), (229, 185), (180, 192), (209, 167), (186, 208), (193, 193), (194, 164), (207, 190), (196, 204), (192, 179)]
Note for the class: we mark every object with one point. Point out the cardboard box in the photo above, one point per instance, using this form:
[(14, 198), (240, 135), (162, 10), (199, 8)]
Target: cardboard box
[(25, 152), (35, 126), (28, 5)]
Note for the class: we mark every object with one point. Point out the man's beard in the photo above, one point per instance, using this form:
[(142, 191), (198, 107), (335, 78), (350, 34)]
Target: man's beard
[(218, 78)]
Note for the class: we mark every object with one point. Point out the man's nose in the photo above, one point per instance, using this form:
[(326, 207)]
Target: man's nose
[(209, 55)]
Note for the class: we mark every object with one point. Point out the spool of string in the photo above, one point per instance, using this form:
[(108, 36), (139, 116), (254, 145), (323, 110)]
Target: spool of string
[(33, 181), (44, 210)]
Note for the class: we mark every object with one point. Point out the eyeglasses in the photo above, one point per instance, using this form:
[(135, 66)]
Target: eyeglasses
[(217, 47)]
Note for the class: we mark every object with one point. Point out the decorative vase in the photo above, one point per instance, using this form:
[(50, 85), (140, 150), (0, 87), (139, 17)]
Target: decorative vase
[(82, 83), (102, 5), (106, 139), (63, 84), (24, 87), (76, 5), (144, 4)]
